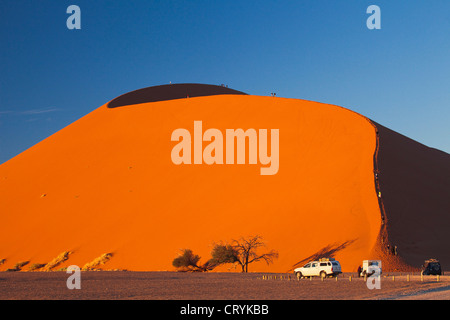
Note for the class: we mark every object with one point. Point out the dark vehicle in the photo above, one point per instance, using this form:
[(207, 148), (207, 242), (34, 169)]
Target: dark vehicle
[(431, 267)]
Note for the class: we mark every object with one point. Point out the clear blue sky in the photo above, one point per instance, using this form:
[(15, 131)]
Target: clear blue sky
[(317, 50)]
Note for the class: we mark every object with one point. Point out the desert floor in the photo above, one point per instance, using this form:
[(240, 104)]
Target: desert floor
[(124, 285)]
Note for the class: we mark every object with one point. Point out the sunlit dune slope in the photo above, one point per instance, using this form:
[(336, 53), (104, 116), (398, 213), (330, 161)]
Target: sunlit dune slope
[(107, 184)]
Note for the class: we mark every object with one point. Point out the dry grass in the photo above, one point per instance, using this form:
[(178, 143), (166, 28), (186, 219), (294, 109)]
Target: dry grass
[(36, 266), (64, 256), (18, 266), (57, 261), (104, 258)]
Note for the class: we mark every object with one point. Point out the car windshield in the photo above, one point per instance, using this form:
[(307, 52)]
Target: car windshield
[(307, 265)]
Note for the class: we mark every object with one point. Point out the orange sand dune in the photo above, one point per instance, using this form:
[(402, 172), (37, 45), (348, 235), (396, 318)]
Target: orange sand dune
[(106, 183)]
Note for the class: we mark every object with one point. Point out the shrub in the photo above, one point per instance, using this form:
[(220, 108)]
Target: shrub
[(36, 266), (186, 259), (19, 265), (104, 258), (57, 261)]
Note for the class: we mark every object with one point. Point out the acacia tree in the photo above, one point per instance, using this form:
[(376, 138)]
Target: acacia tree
[(242, 252), (223, 253), (188, 261)]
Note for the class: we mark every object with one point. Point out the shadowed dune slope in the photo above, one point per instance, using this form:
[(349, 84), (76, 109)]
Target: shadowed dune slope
[(415, 185), (106, 184), (169, 92)]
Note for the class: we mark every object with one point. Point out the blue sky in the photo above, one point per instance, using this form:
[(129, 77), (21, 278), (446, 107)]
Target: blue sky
[(317, 50)]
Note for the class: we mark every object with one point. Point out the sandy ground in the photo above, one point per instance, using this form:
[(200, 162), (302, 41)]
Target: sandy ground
[(215, 286)]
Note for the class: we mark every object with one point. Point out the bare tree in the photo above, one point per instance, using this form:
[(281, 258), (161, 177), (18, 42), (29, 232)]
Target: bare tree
[(241, 252), (245, 249)]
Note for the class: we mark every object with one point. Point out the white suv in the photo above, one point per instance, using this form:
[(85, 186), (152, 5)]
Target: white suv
[(322, 268)]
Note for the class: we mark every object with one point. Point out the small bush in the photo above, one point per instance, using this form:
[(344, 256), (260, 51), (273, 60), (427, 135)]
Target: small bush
[(19, 265), (104, 258), (36, 266), (57, 261)]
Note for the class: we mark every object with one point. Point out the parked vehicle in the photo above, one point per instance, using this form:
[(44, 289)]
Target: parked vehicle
[(368, 267), (322, 268), (432, 267)]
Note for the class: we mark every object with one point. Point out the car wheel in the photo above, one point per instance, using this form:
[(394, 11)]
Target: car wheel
[(323, 274), (299, 275)]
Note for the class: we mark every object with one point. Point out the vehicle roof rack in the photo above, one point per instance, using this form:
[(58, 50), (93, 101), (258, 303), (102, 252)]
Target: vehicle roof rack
[(326, 259)]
